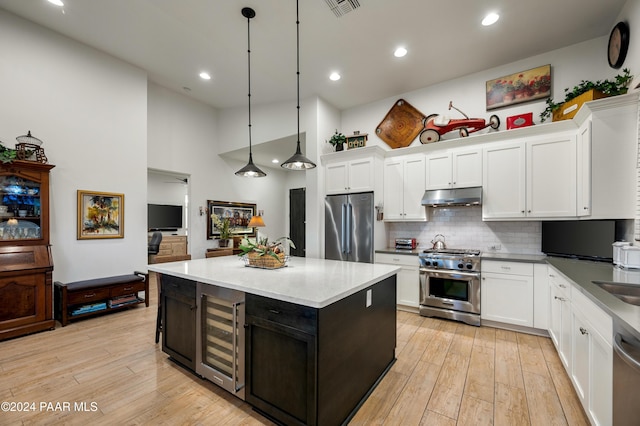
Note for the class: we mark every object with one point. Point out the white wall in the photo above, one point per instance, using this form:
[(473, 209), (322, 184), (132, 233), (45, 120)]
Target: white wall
[(183, 138), (90, 111), (568, 66), (463, 227)]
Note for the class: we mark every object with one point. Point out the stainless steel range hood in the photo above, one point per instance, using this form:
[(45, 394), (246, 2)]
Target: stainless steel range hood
[(453, 197)]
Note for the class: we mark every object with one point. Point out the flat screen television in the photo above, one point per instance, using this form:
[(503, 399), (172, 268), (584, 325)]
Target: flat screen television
[(164, 217), (581, 239)]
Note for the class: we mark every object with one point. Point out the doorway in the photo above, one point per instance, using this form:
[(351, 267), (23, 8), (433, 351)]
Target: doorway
[(297, 221)]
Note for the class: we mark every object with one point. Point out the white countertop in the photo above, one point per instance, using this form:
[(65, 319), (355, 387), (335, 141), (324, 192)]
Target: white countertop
[(310, 282)]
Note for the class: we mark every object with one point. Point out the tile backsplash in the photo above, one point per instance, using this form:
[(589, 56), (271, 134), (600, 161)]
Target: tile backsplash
[(463, 227)]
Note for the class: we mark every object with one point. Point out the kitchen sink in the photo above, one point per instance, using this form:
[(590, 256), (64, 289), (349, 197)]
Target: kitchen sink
[(628, 293)]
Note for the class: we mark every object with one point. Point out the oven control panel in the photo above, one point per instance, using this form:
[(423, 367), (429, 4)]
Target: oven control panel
[(461, 264)]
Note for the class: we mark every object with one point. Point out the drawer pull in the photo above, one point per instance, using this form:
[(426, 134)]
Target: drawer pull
[(583, 331), (273, 311), (562, 286), (396, 260), (86, 296), (562, 299), (128, 288), (507, 268)]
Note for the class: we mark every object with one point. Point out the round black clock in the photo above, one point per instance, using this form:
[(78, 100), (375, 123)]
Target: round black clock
[(618, 45)]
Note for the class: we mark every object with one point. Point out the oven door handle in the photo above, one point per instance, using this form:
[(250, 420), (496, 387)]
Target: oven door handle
[(451, 272)]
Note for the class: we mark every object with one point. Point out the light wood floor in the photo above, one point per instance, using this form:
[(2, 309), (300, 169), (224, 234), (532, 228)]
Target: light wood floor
[(446, 373)]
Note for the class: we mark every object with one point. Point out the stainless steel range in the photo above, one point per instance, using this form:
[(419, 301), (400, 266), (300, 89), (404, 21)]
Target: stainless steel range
[(450, 284)]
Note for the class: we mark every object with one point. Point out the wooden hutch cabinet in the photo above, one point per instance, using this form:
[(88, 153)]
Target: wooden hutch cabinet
[(26, 265)]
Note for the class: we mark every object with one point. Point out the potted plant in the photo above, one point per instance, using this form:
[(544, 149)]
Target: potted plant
[(224, 227), (607, 87), (7, 155), (338, 140), (264, 254)]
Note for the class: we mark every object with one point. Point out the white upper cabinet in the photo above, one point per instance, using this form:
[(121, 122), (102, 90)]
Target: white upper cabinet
[(551, 176), (350, 176), (454, 169), (503, 183), (404, 188), (535, 178), (613, 157), (583, 163)]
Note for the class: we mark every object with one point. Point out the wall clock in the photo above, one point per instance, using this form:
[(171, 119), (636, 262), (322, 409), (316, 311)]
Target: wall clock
[(618, 45)]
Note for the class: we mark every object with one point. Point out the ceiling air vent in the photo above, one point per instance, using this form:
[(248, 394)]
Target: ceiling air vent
[(341, 7)]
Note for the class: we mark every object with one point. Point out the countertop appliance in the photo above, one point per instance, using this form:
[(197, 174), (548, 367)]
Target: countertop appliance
[(406, 243), (349, 220), (630, 257), (626, 377), (220, 337), (450, 284)]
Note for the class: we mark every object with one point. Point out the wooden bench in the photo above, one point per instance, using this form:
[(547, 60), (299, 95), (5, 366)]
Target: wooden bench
[(87, 298)]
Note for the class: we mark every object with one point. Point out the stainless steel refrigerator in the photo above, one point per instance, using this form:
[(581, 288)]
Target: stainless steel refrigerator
[(348, 227)]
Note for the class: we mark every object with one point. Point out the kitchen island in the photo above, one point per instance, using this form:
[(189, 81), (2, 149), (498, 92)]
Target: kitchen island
[(320, 334)]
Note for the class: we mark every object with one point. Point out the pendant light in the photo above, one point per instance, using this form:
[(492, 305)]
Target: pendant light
[(298, 161), (250, 170)]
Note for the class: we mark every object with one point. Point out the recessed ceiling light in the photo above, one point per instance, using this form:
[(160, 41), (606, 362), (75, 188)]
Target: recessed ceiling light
[(275, 161), (56, 2), (400, 52), (205, 75), (490, 19), (334, 76)]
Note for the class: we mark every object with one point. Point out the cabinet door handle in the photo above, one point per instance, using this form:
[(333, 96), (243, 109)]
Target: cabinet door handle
[(583, 331), (562, 286), (562, 299)]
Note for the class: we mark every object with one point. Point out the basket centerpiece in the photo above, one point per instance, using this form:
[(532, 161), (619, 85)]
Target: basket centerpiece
[(265, 254)]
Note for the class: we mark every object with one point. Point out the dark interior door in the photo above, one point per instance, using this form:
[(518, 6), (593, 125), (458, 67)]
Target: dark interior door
[(297, 220)]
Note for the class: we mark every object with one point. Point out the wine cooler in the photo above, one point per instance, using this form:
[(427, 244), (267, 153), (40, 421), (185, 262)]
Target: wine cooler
[(220, 343)]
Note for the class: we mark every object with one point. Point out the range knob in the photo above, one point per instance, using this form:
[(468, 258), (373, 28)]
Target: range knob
[(460, 265), (469, 266), (427, 263)]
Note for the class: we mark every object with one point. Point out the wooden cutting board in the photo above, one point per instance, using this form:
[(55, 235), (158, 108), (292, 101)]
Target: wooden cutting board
[(401, 125)]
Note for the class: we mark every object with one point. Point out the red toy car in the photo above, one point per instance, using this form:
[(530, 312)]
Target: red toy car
[(437, 125)]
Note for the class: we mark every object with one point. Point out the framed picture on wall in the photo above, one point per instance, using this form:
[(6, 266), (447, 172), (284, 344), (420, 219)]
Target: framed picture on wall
[(523, 86), (100, 215), (239, 215)]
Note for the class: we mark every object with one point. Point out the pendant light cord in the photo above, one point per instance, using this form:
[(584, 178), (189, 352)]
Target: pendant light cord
[(249, 76), (298, 161), (298, 66)]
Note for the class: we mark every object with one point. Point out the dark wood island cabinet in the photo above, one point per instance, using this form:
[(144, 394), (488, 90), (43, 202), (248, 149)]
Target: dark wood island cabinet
[(315, 366), (179, 319), (316, 336)]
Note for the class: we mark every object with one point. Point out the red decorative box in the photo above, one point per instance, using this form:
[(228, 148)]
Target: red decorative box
[(520, 120)]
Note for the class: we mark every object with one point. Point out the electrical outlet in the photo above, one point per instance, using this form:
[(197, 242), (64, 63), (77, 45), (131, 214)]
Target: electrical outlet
[(495, 247)]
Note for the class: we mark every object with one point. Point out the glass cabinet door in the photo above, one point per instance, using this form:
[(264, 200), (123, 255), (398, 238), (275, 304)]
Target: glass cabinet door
[(20, 209)]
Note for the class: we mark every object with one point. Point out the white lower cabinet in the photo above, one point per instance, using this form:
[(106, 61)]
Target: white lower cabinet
[(506, 291), (560, 316), (582, 334), (592, 366), (408, 278)]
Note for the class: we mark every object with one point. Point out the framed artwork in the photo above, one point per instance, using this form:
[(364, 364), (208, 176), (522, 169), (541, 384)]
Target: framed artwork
[(239, 215), (520, 87), (100, 215)]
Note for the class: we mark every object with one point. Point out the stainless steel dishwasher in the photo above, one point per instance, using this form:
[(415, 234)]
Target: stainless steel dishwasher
[(626, 377)]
